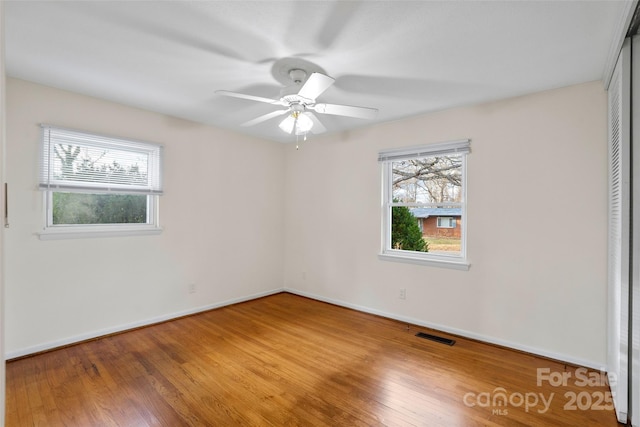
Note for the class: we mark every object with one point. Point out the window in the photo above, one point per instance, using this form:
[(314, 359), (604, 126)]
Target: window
[(96, 185), (446, 222), (424, 204)]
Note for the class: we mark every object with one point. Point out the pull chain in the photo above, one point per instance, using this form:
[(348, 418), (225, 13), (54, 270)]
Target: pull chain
[(295, 129), (304, 139)]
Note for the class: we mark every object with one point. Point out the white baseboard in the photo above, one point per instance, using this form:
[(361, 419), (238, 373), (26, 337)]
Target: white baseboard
[(466, 334), (122, 328)]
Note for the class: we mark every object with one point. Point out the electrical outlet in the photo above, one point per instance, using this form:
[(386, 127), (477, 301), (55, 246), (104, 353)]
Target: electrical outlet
[(192, 288), (403, 293)]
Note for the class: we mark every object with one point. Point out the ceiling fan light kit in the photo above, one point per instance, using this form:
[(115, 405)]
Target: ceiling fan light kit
[(300, 123), (299, 98)]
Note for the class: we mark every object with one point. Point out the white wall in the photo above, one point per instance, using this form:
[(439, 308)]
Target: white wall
[(537, 225), (537, 215), (221, 214)]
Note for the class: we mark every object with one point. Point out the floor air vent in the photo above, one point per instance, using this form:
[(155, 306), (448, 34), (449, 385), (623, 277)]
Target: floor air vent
[(435, 338)]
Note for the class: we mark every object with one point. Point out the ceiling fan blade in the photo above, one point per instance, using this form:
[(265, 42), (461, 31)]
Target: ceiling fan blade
[(195, 36), (265, 117), (346, 110), (337, 21), (318, 127), (250, 97), (315, 85), (396, 87)]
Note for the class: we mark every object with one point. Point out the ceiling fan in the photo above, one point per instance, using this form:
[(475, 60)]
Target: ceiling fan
[(300, 102)]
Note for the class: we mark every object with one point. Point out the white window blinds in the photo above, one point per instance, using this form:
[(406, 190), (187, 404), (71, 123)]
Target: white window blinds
[(81, 162), (437, 149)]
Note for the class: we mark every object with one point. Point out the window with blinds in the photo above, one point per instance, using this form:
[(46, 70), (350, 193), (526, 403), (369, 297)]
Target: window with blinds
[(99, 184), (424, 204)]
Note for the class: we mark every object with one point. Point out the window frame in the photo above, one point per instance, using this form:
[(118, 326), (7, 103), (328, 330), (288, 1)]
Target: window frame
[(49, 186), (386, 158)]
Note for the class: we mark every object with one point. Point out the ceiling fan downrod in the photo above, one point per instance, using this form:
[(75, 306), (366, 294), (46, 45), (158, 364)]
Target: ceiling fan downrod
[(297, 75)]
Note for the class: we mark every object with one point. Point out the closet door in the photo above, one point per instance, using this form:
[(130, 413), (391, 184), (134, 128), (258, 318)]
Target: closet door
[(634, 341), (619, 231)]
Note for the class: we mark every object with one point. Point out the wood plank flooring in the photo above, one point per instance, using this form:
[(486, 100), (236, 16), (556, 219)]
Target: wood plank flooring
[(285, 360)]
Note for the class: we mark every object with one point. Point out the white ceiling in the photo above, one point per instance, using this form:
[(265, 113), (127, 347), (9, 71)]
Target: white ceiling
[(404, 58)]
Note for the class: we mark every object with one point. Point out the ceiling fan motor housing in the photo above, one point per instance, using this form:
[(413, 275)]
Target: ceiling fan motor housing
[(297, 107)]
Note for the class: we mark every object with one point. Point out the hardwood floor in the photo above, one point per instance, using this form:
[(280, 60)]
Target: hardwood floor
[(285, 360)]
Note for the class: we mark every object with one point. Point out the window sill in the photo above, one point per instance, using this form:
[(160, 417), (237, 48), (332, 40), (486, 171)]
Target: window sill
[(455, 264), (60, 234)]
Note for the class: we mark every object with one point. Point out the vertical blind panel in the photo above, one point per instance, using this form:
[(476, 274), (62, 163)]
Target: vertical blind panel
[(78, 161)]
